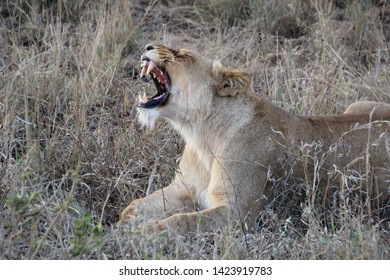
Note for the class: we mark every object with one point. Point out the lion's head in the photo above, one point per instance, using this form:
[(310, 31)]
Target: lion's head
[(185, 82)]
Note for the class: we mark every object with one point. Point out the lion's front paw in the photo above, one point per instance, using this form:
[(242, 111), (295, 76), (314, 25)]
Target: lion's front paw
[(131, 214), (158, 226)]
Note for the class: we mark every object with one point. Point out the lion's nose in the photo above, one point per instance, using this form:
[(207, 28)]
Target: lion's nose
[(149, 47)]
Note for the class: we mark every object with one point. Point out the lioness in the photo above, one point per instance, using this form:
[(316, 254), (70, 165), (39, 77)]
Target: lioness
[(237, 143)]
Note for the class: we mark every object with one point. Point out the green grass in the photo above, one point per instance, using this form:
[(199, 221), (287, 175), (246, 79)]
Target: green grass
[(72, 155)]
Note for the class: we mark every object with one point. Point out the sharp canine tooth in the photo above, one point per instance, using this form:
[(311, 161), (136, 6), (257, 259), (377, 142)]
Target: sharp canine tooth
[(143, 71), (144, 98), (151, 66)]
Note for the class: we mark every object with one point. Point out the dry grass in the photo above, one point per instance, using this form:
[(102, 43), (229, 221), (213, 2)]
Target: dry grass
[(72, 155)]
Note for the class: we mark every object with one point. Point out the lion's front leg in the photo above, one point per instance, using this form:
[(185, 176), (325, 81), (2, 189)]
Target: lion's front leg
[(160, 204), (226, 199), (178, 197), (184, 223)]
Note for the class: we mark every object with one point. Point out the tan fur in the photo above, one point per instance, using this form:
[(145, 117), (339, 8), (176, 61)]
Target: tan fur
[(236, 142), (361, 107)]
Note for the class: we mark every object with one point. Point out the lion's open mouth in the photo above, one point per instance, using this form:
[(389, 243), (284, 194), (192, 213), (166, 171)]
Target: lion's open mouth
[(161, 81)]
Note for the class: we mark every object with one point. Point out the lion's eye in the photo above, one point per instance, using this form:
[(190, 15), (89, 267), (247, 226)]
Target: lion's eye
[(149, 48)]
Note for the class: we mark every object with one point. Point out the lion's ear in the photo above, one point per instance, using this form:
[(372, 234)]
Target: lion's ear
[(230, 82)]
